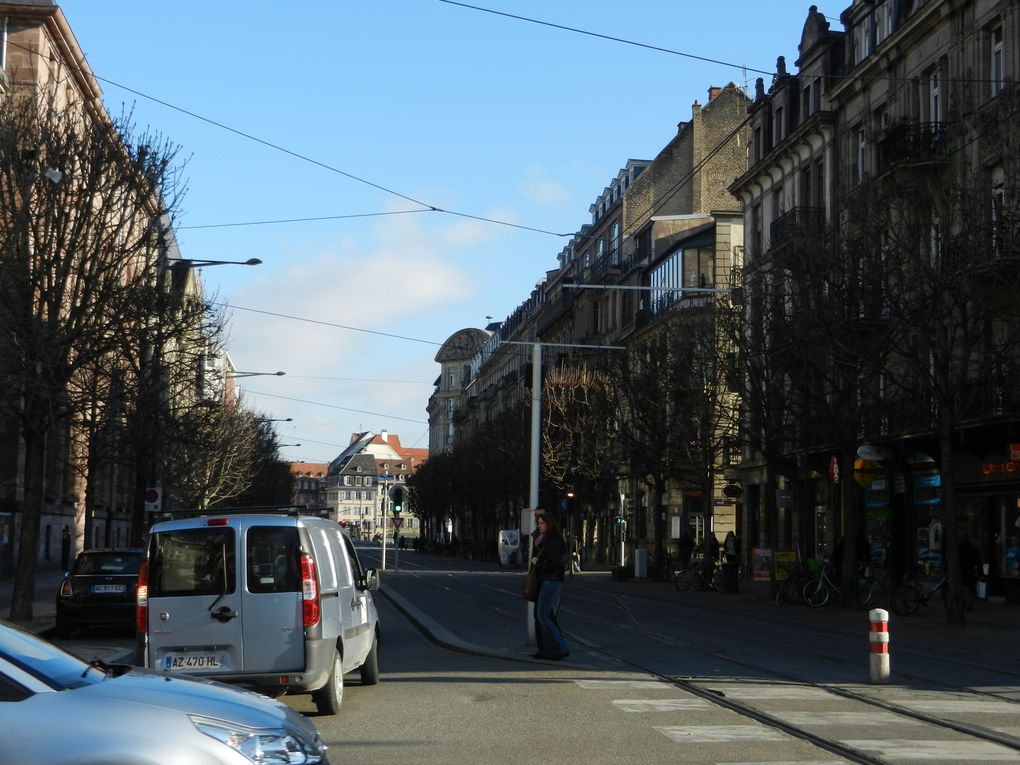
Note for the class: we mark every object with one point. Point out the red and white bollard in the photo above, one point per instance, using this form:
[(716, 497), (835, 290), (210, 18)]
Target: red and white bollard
[(878, 640)]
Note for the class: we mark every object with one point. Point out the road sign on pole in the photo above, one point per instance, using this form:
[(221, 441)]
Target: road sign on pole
[(153, 497), (397, 521)]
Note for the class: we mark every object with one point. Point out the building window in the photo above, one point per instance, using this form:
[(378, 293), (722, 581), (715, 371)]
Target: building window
[(997, 70), (884, 23), (861, 142), (758, 147), (934, 97), (451, 380), (779, 131), (998, 210), (614, 244), (348, 481)]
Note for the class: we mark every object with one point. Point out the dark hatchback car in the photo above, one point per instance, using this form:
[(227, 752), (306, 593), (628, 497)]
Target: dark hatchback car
[(99, 590)]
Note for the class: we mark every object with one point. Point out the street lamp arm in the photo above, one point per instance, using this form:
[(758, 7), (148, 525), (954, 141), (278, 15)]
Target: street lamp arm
[(235, 375), (189, 263)]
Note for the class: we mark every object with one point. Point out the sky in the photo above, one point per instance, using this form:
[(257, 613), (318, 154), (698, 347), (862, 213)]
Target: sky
[(351, 121)]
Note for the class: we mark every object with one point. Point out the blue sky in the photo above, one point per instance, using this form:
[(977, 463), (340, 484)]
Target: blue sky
[(455, 108)]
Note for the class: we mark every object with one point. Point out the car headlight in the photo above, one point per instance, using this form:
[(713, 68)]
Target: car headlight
[(261, 745)]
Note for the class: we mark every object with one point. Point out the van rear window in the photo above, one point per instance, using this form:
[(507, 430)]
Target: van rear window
[(272, 556), (193, 562)]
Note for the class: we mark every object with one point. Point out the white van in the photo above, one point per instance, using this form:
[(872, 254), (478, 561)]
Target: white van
[(274, 601)]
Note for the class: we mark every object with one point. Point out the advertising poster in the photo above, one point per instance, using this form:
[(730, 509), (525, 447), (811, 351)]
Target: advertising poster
[(785, 562), (761, 564)]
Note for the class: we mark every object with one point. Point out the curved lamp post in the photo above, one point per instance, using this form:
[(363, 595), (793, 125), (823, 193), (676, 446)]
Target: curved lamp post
[(189, 263)]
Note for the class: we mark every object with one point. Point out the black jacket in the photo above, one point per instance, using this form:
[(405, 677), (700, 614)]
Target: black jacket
[(550, 556)]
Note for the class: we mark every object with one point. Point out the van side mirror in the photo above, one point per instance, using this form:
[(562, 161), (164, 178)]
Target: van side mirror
[(371, 579)]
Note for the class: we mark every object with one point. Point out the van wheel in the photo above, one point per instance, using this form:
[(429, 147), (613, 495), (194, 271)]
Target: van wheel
[(370, 669), (330, 696)]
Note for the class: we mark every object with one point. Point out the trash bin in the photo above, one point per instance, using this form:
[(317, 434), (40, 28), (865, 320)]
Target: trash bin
[(640, 564), (509, 545), (729, 578)]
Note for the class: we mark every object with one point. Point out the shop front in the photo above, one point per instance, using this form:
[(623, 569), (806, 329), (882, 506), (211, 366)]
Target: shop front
[(988, 490)]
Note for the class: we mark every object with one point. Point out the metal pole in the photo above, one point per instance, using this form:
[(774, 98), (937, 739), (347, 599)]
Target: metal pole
[(382, 513), (536, 445)]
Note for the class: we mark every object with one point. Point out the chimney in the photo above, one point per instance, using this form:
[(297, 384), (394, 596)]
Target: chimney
[(713, 92), (385, 436)]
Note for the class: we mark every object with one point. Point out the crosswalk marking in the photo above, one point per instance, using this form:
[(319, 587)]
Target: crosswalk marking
[(639, 685), (721, 734), (786, 762), (765, 692), (975, 706), (660, 705), (802, 719), (907, 749)]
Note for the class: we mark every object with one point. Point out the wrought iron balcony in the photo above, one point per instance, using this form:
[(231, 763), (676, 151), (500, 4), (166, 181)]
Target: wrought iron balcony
[(798, 222), (913, 142)]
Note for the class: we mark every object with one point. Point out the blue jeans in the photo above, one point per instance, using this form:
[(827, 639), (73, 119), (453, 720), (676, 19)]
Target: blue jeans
[(546, 607)]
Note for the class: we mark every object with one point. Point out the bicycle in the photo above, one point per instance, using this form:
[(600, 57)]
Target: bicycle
[(699, 582), (911, 595), (790, 589), (818, 589)]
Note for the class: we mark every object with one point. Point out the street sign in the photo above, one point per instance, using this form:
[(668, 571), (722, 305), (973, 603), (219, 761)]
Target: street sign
[(397, 521), (153, 495), (387, 477)]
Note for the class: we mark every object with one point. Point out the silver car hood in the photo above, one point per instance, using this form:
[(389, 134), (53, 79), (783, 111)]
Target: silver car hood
[(197, 696)]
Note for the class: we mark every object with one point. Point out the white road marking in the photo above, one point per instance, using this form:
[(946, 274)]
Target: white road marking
[(719, 734), (907, 749), (640, 685), (801, 719), (765, 692), (974, 706), (660, 705)]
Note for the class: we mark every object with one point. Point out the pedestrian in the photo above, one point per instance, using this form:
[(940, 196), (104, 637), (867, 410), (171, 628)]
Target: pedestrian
[(970, 566), (547, 560), (535, 534), (685, 548), (710, 554), (731, 546)]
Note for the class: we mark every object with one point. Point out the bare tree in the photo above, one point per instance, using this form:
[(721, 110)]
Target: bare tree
[(77, 198)]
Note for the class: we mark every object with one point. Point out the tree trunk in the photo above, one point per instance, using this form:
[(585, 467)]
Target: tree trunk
[(28, 536)]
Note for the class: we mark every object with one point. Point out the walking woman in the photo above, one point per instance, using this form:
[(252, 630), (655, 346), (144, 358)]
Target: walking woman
[(550, 551)]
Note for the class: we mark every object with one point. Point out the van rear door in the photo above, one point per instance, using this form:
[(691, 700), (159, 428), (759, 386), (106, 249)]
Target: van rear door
[(194, 600), (272, 619)]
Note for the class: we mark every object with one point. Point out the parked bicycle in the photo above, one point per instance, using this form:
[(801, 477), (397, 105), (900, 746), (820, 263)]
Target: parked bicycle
[(791, 589), (822, 586), (912, 594), (698, 581)]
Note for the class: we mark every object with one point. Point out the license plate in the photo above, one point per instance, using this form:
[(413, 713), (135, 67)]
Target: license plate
[(118, 588), (193, 662)]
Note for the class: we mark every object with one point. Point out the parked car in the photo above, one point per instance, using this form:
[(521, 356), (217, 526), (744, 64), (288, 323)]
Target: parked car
[(60, 710), (99, 590), (272, 600)]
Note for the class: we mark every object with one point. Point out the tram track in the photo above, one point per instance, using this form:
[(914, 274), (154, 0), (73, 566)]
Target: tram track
[(474, 598)]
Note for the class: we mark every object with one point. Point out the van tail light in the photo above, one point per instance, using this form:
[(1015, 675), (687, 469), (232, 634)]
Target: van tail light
[(309, 590), (142, 599)]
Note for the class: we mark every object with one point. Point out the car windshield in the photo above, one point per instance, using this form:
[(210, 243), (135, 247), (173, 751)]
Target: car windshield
[(90, 564), (58, 669)]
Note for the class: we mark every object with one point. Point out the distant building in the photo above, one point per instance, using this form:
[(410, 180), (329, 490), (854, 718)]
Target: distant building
[(309, 487), (358, 479)]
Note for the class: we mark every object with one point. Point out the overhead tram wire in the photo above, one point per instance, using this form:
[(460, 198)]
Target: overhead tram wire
[(426, 207), (334, 406)]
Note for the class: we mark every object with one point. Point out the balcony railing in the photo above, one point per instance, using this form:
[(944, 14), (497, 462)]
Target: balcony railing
[(798, 222), (917, 141)]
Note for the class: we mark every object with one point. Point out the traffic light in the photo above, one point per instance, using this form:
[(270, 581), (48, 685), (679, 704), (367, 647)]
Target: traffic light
[(618, 520), (567, 505), (397, 494)]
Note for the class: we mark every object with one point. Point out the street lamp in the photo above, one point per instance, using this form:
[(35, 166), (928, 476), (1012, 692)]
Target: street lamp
[(235, 375), (189, 263), (273, 419), (282, 446)]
